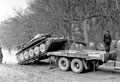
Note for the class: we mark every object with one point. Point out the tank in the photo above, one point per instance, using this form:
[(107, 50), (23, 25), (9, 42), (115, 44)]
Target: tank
[(36, 49)]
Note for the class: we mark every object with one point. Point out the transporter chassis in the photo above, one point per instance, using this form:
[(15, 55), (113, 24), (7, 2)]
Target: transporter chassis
[(78, 60)]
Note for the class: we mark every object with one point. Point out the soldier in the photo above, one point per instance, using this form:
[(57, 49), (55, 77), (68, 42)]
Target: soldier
[(107, 42), (1, 55)]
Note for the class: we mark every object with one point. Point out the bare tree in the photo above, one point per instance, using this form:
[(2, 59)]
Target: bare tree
[(93, 17)]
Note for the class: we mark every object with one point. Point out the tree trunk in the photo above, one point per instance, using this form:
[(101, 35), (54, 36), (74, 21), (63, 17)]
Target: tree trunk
[(85, 32)]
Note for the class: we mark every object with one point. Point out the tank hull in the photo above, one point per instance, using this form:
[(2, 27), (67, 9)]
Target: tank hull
[(37, 49)]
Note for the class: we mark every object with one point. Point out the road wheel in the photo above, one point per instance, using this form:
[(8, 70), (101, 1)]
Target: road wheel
[(43, 48), (21, 57), (64, 64), (36, 50), (31, 53), (47, 42), (18, 58), (26, 55), (77, 66)]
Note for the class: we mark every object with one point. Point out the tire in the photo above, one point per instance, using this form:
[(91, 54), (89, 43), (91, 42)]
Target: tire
[(21, 57), (31, 52), (43, 48), (64, 64), (36, 50), (26, 55), (77, 66)]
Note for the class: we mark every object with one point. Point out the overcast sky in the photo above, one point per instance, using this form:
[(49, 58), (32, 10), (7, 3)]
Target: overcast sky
[(6, 7)]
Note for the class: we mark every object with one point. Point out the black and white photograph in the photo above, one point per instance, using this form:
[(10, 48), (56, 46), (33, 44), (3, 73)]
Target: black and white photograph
[(59, 40)]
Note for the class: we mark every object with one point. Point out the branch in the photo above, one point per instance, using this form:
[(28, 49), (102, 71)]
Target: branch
[(117, 5), (25, 18), (17, 21), (19, 14), (89, 17), (96, 26)]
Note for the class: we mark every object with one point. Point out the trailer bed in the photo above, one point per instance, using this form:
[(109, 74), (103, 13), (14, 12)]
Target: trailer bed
[(87, 54)]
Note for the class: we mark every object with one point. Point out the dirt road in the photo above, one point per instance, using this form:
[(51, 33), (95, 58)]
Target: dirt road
[(42, 73)]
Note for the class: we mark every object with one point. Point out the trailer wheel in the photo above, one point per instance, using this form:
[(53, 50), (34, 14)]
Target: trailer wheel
[(31, 53), (64, 64), (36, 50), (26, 55), (43, 48), (77, 66), (21, 57)]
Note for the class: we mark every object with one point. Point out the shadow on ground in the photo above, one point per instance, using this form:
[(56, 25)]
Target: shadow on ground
[(38, 63)]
